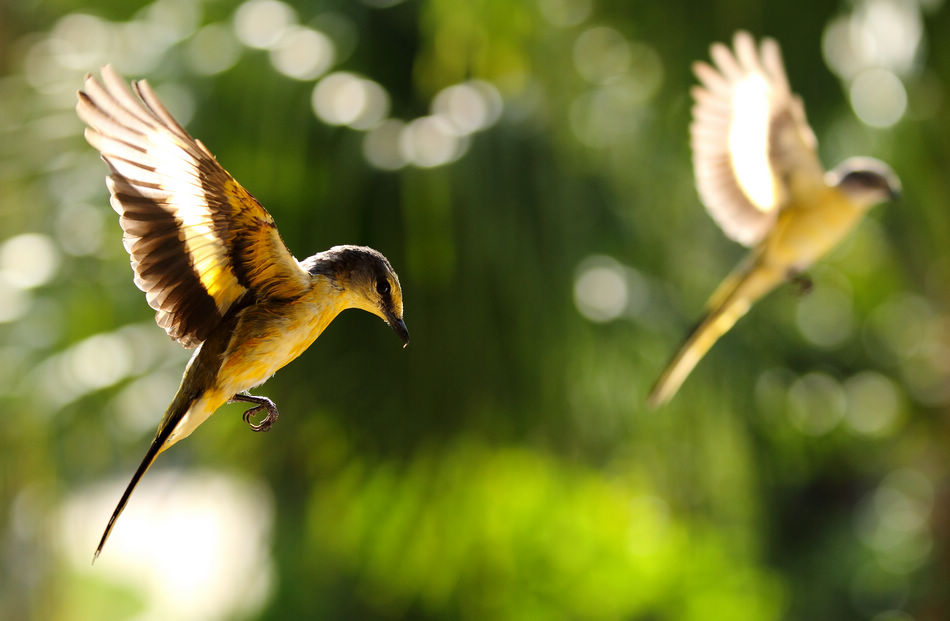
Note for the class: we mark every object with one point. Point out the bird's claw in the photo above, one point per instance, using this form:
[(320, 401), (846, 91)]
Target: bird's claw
[(266, 423), (263, 403)]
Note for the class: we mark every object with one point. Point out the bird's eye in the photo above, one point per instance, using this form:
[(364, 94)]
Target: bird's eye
[(382, 286)]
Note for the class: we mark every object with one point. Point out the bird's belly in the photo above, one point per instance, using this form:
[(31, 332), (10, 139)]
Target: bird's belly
[(198, 413), (248, 362), (265, 341), (807, 234)]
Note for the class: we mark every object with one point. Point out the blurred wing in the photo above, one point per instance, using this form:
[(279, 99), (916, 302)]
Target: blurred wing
[(198, 241), (752, 146)]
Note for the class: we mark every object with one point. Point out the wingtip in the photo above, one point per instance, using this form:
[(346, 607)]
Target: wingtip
[(770, 42), (700, 68), (742, 37), (718, 48), (81, 94), (82, 100)]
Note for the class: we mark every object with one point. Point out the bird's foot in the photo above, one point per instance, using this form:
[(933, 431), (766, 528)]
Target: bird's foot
[(263, 403), (803, 282)]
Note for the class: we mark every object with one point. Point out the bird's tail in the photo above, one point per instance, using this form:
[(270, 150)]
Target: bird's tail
[(173, 415), (731, 300)]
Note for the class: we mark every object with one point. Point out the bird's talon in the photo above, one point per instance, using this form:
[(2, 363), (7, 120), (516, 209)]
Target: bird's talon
[(266, 423), (263, 403)]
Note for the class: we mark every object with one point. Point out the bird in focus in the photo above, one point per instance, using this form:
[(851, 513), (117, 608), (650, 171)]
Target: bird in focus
[(213, 266), (757, 172)]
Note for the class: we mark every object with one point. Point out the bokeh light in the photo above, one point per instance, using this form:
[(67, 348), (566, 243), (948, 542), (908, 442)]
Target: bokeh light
[(28, 260), (344, 98), (871, 49), (878, 97), (99, 361), (193, 545), (431, 141), (565, 13), (83, 41), (175, 20), (260, 23), (627, 75), (213, 49), (130, 414), (469, 107), (875, 404), (606, 116), (887, 33), (302, 53), (600, 291), (902, 326), (816, 403), (825, 316), (884, 34), (14, 301), (893, 522), (601, 54), (605, 290), (381, 145)]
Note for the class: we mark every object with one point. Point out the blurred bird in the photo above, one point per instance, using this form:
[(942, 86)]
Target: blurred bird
[(212, 265), (757, 172)]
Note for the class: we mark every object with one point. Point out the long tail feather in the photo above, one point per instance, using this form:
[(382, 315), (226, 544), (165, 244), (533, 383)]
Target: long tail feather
[(175, 412), (731, 300)]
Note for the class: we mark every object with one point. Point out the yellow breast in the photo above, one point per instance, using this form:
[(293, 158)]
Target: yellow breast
[(803, 233), (270, 335)]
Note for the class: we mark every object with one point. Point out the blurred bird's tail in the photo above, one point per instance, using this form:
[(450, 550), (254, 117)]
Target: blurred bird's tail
[(176, 411), (746, 284)]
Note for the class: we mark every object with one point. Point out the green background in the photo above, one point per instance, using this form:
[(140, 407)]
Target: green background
[(504, 466)]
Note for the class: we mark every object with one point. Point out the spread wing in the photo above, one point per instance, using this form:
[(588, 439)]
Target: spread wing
[(198, 241), (752, 146)]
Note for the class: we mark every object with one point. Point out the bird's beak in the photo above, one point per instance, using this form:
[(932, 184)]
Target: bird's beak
[(399, 327)]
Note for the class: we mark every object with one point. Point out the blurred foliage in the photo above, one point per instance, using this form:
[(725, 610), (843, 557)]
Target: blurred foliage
[(504, 466)]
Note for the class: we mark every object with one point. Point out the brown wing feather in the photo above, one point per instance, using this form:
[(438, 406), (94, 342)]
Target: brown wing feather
[(788, 147), (197, 240)]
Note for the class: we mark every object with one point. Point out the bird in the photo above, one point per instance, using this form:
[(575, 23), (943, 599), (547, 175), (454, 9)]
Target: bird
[(758, 174), (213, 266)]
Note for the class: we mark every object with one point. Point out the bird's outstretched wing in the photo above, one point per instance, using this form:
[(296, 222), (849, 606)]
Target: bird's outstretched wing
[(752, 147), (198, 241)]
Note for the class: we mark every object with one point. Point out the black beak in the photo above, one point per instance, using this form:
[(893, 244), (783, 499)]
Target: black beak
[(399, 327)]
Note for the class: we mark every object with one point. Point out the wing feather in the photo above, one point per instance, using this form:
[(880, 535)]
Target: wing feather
[(752, 146), (198, 242)]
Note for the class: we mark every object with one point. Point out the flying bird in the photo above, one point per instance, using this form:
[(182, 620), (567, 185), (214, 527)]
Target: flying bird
[(757, 172), (213, 266)]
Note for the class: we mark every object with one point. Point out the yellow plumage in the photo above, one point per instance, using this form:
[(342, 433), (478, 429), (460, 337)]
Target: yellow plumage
[(758, 174), (213, 266)]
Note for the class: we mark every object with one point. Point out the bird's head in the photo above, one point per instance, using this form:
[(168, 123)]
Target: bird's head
[(865, 180), (366, 281)]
